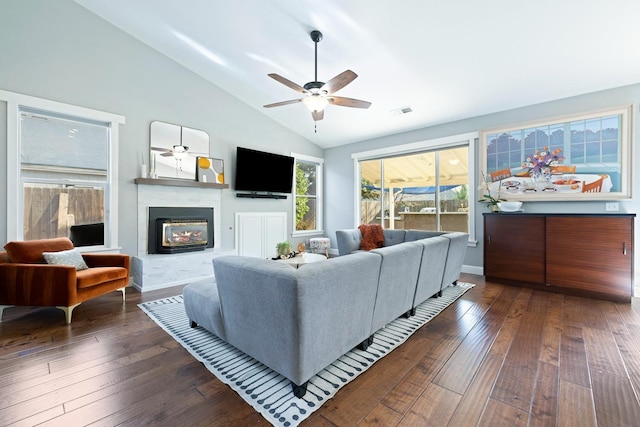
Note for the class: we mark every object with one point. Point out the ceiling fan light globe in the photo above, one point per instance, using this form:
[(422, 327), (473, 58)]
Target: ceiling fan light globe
[(180, 152), (315, 102)]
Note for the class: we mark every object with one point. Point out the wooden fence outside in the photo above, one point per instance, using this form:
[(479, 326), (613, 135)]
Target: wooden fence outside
[(50, 212)]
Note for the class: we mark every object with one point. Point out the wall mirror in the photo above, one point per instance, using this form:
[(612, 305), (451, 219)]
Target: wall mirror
[(174, 149)]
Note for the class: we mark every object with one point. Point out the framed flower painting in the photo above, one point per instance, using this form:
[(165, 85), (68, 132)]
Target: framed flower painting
[(584, 157)]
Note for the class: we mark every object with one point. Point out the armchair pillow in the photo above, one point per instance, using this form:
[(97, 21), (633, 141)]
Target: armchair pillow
[(71, 257)]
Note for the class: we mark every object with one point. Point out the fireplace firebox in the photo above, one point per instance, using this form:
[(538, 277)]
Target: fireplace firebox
[(179, 229), (181, 235)]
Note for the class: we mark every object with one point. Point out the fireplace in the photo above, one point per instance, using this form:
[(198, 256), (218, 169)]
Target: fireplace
[(179, 229)]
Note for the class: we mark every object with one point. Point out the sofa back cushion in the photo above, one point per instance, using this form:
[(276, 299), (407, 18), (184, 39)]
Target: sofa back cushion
[(413, 235), (393, 237), (348, 241), (30, 251)]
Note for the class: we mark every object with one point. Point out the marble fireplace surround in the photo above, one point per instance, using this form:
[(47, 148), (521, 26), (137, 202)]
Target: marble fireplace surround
[(156, 271)]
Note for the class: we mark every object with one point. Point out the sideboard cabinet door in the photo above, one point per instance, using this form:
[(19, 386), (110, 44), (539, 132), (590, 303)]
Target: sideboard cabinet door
[(514, 248), (592, 254)]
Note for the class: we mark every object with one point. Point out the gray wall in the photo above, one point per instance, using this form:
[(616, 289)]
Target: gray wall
[(58, 50), (340, 170)]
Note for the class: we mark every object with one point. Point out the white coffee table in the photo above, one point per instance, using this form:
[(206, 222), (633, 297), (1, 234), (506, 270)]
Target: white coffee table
[(304, 258)]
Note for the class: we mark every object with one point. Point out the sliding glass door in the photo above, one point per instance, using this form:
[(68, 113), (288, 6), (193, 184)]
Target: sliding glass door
[(427, 190)]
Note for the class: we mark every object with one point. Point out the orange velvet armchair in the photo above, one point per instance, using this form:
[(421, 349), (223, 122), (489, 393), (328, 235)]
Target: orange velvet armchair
[(27, 279)]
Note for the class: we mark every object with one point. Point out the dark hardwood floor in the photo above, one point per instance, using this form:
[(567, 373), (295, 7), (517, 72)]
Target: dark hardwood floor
[(499, 356)]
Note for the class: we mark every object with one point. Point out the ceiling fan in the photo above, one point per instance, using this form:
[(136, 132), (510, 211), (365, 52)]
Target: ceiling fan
[(318, 94)]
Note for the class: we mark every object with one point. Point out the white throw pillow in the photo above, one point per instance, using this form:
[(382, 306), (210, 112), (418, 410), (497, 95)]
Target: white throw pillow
[(71, 257)]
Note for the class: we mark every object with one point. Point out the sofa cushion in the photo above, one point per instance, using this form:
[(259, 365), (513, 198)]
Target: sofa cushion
[(99, 275), (372, 236), (202, 304), (30, 251), (413, 235), (393, 237), (71, 257)]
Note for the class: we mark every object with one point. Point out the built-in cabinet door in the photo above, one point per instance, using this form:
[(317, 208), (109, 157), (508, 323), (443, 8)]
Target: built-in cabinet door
[(258, 232), (514, 247), (591, 254)]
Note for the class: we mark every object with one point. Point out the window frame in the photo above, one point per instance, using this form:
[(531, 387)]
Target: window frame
[(319, 162), (470, 139), (15, 194)]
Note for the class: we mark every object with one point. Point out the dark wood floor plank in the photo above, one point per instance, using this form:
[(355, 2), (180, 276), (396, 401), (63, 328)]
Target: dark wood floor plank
[(629, 346), (575, 408), (615, 400), (499, 414), (402, 396), (573, 357), (514, 386), (473, 402), (382, 416), (552, 333), (511, 324), (77, 385), (434, 407), (544, 407), (602, 352)]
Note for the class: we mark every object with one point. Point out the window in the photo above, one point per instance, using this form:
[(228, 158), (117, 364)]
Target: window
[(421, 186), (422, 191), (592, 146), (308, 194), (62, 177)]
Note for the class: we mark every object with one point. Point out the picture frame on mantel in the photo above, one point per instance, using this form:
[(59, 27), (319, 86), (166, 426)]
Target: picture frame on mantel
[(209, 170), (583, 157)]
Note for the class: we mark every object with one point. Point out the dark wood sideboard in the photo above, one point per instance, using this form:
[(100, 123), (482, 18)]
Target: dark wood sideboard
[(580, 254)]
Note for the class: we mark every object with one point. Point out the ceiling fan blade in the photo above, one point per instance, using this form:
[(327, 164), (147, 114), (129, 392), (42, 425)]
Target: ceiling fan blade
[(281, 103), (339, 81), (164, 150), (317, 115), (287, 82), (348, 102)]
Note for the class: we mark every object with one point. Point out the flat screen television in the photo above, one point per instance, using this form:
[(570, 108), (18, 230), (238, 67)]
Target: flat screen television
[(262, 171)]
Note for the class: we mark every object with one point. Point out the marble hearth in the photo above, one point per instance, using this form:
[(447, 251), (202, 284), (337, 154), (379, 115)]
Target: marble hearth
[(156, 271)]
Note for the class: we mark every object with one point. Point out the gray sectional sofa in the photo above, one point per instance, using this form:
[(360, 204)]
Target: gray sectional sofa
[(298, 321)]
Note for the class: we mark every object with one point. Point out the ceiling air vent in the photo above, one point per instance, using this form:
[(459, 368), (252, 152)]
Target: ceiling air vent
[(401, 111)]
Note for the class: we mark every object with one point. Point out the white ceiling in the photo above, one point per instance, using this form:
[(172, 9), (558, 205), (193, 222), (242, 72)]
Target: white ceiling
[(447, 60)]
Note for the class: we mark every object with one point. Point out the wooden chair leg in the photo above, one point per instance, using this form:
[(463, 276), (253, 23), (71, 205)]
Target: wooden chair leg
[(68, 311), (2, 307)]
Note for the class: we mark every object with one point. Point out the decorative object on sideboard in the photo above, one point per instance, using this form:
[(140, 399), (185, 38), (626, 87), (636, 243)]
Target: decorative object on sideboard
[(210, 170)]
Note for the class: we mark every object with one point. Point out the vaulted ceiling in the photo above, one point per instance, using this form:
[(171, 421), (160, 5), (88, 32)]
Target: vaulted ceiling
[(442, 60)]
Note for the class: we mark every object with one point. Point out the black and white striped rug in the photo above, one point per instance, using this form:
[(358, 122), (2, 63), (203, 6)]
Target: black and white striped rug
[(270, 393)]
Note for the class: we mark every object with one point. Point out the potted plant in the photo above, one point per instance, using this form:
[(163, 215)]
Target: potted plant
[(489, 199), (283, 248)]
